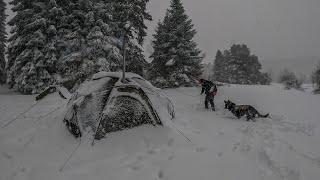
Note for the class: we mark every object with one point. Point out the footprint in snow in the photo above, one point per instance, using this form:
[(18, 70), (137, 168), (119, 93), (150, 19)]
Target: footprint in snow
[(135, 167), (235, 147), (140, 158), (170, 142), (161, 175), (153, 151), (7, 155), (170, 157), (196, 131), (23, 170), (201, 149)]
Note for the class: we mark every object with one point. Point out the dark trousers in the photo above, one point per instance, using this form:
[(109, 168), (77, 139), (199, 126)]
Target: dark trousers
[(209, 99)]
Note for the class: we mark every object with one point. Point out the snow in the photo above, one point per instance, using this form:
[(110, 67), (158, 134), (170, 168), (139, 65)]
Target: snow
[(103, 74), (285, 146), (89, 87), (171, 62), (64, 92)]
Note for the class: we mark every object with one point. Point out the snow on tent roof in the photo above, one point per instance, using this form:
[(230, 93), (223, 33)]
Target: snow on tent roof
[(92, 86), (105, 104), (114, 74)]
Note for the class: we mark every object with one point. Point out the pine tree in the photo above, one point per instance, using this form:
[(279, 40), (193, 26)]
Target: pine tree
[(26, 59), (176, 57), (17, 43), (130, 17), (52, 50), (88, 41), (239, 66), (94, 34), (135, 60), (2, 41), (218, 66), (67, 41), (316, 78), (35, 46)]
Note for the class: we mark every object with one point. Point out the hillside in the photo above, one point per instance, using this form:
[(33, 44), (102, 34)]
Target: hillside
[(286, 146)]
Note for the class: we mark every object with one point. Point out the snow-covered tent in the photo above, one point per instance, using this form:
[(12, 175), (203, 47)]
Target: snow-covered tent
[(105, 104)]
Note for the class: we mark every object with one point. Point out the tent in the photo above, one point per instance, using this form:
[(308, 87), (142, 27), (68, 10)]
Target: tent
[(105, 104)]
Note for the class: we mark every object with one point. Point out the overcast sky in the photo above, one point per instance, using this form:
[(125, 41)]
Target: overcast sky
[(273, 29)]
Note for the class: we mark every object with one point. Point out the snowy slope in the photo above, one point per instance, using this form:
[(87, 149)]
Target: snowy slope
[(286, 146)]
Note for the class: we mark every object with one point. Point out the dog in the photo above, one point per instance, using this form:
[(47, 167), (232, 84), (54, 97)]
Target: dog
[(241, 110)]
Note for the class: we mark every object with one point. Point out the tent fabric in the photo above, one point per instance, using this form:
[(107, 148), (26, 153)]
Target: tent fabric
[(104, 104)]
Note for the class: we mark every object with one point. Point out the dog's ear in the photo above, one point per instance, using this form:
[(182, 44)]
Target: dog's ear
[(225, 101)]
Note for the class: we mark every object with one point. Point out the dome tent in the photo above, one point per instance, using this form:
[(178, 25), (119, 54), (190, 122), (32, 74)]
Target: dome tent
[(104, 104)]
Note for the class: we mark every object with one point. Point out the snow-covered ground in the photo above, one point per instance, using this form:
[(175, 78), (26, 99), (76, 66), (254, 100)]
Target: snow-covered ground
[(286, 146)]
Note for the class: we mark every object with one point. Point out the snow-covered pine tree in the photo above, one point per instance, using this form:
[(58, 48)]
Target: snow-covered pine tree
[(28, 69), (207, 71), (130, 17), (239, 66), (52, 49), (135, 60), (219, 61), (176, 57), (67, 41), (316, 79), (2, 41), (88, 41)]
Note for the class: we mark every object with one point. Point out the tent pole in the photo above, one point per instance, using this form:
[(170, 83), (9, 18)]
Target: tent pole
[(124, 58), (96, 131)]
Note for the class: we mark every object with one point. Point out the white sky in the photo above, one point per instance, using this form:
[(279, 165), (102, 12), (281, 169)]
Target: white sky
[(273, 29)]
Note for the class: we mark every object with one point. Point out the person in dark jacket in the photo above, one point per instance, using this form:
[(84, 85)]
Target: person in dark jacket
[(210, 89)]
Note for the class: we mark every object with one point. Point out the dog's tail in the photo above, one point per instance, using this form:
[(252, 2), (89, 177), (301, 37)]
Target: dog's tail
[(263, 116)]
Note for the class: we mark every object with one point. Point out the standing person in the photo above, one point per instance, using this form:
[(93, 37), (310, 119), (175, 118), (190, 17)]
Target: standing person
[(210, 89)]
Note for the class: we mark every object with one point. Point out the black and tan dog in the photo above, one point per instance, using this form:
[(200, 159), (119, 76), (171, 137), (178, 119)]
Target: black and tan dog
[(241, 110)]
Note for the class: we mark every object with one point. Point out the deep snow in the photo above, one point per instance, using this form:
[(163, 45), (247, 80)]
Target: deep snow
[(285, 146)]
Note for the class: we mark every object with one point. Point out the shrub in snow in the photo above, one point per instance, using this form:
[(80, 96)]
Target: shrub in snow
[(176, 57), (239, 66), (289, 80)]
